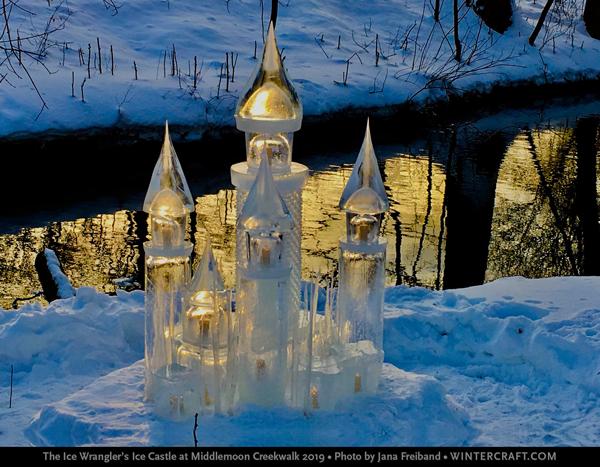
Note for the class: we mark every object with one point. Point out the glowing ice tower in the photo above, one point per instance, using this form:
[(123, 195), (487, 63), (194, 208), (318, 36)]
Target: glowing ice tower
[(167, 272), (269, 112), (208, 339), (264, 296), (359, 313)]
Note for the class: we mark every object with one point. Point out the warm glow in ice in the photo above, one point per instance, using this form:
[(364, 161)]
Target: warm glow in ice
[(167, 205), (269, 103), (365, 201)]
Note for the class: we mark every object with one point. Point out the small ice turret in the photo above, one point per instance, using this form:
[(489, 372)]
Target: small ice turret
[(263, 296), (359, 313), (167, 273), (269, 111), (207, 340)]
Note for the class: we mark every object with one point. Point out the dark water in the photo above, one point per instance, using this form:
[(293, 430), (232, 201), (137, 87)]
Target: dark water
[(512, 194)]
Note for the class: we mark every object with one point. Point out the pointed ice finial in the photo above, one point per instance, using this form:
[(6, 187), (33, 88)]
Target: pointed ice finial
[(365, 175), (264, 209), (269, 103), (168, 174), (207, 277)]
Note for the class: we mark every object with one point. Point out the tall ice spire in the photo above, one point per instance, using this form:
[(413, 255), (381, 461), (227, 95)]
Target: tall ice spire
[(365, 175), (168, 174), (268, 234)]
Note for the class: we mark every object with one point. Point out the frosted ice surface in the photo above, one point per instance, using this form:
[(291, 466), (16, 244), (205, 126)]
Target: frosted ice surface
[(168, 174), (365, 175), (264, 209), (269, 103)]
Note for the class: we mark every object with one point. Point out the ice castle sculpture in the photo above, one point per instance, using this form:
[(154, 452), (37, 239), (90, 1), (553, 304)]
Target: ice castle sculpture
[(204, 355)]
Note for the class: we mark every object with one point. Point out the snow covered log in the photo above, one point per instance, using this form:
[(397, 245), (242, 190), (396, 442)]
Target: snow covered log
[(55, 283)]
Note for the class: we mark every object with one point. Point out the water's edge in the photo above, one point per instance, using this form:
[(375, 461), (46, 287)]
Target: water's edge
[(332, 128)]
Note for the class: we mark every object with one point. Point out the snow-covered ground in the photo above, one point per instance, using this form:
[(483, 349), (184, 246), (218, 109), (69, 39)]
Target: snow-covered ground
[(413, 52), (515, 362)]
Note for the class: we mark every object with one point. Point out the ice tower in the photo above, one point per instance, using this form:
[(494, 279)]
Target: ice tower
[(168, 203), (359, 313), (269, 112), (167, 273), (263, 298)]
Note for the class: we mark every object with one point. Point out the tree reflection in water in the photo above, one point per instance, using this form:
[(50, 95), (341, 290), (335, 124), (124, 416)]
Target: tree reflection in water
[(465, 208), (546, 213)]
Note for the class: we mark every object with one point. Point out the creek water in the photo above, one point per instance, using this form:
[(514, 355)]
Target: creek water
[(516, 193)]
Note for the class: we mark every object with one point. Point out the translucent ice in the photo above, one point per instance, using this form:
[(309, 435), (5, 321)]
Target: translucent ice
[(168, 174), (167, 221), (207, 334), (264, 210), (365, 175), (269, 103)]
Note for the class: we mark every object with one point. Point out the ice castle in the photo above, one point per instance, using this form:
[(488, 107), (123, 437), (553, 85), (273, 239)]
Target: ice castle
[(208, 349)]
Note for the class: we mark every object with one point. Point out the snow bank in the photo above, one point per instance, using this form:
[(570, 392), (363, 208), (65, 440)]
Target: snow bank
[(514, 362), (554, 332), (412, 48), (89, 333)]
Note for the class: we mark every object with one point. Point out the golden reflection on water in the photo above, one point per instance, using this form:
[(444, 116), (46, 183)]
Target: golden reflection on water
[(92, 252), (536, 229), (534, 225)]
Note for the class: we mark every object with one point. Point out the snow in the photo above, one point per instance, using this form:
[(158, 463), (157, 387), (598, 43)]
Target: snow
[(65, 289), (308, 31), (514, 362)]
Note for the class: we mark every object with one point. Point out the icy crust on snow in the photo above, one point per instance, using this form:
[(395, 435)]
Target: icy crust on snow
[(111, 412)]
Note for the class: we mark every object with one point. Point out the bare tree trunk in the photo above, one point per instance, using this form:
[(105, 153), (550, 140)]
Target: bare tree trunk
[(436, 11), (540, 22), (586, 134), (456, 38)]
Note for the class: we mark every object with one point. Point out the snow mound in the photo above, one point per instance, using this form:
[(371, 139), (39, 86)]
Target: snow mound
[(111, 412), (89, 332), (557, 334), (515, 362)]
